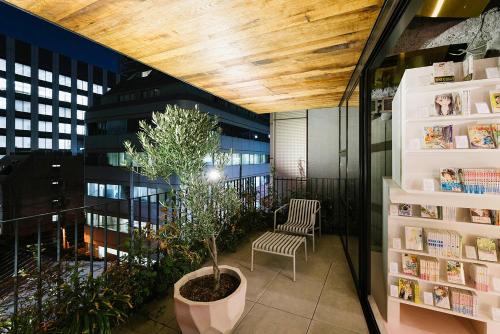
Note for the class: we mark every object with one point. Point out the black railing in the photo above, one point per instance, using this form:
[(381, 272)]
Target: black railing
[(90, 236), (94, 236)]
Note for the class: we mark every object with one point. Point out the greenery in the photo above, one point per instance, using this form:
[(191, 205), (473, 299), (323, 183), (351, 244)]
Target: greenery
[(176, 142)]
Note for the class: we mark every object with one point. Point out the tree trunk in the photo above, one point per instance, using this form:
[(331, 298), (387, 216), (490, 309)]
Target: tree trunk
[(213, 252)]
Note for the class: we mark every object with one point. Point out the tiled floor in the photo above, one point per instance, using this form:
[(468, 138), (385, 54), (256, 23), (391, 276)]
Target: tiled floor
[(322, 300)]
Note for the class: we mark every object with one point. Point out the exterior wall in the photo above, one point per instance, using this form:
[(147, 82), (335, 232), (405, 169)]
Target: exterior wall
[(310, 136), (34, 98)]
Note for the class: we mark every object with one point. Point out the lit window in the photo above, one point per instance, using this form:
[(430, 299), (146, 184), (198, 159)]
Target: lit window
[(45, 109), (3, 103), (64, 144), (64, 128), (45, 92), (44, 126), (23, 70), (65, 112), (236, 159), (3, 84), (23, 106), (3, 122), (81, 84), (45, 143), (97, 89), (80, 114), (64, 96), (114, 191), (22, 142), (22, 124), (80, 130), (2, 65), (3, 141), (45, 75), (245, 159), (64, 80), (82, 100), (22, 87)]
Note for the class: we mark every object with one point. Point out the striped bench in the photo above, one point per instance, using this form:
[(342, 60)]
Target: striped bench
[(279, 244)]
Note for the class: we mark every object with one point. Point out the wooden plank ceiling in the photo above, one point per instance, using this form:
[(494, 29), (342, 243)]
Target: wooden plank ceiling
[(265, 55)]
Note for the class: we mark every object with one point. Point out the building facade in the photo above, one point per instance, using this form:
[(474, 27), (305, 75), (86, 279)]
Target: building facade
[(44, 96), (115, 118)]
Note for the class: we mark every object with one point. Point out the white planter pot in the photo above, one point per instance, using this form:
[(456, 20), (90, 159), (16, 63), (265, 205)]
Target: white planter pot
[(219, 316)]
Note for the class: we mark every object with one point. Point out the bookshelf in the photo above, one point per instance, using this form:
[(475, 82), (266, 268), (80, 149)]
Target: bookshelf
[(412, 110)]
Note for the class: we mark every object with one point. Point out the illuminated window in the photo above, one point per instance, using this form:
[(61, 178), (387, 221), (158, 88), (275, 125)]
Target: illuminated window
[(80, 114), (22, 87), (64, 80), (23, 106), (45, 126), (45, 75), (22, 142), (3, 103), (64, 112), (22, 124), (3, 84), (64, 144), (23, 70), (45, 109), (45, 92), (81, 84), (80, 130), (64, 128), (82, 100), (64, 96), (45, 143)]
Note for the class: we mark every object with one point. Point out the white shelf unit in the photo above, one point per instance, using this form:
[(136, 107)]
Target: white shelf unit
[(413, 109), (412, 106)]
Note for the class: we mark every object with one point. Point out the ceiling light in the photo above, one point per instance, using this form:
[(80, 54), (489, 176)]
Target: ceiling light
[(437, 9)]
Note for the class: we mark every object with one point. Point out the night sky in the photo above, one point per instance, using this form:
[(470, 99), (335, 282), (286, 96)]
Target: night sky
[(28, 28)]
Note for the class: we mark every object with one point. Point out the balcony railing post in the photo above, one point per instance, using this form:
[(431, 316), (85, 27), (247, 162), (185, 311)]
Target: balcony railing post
[(157, 227), (118, 232), (39, 269), (91, 244), (76, 238), (15, 274), (105, 236), (148, 224)]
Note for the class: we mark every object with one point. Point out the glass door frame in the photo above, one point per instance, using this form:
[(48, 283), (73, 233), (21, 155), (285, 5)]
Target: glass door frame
[(393, 19)]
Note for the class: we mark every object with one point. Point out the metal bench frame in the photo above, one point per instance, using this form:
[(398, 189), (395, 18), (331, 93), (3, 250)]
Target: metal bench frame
[(279, 244)]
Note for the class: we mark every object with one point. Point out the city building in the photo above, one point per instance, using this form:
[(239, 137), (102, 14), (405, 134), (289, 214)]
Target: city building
[(115, 118), (44, 96)]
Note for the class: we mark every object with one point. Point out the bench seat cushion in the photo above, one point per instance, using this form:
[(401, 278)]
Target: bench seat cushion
[(278, 243)]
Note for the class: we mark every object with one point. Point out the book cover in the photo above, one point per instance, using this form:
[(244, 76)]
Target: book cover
[(410, 264), (448, 104), (443, 71), (495, 130), (451, 179), (481, 136), (430, 211), (486, 249), (455, 272), (413, 238), (438, 137), (495, 100), (407, 289), (406, 210), (441, 296), (480, 216)]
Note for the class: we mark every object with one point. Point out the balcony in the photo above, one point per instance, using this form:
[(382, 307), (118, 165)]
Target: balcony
[(57, 259)]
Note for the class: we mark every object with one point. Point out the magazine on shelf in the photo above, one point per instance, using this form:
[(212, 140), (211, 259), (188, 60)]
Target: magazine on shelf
[(479, 276), (487, 249), (441, 296), (448, 104), (438, 137), (481, 136), (409, 290), (407, 210), (480, 216), (451, 179), (413, 238), (429, 270), (455, 272), (443, 71), (410, 264), (464, 302), (495, 130), (430, 211), (495, 100)]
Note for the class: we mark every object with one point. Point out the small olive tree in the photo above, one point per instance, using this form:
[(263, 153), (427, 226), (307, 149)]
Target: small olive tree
[(176, 143)]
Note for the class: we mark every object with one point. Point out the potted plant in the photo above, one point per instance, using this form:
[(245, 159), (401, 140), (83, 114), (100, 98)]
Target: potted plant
[(177, 142)]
